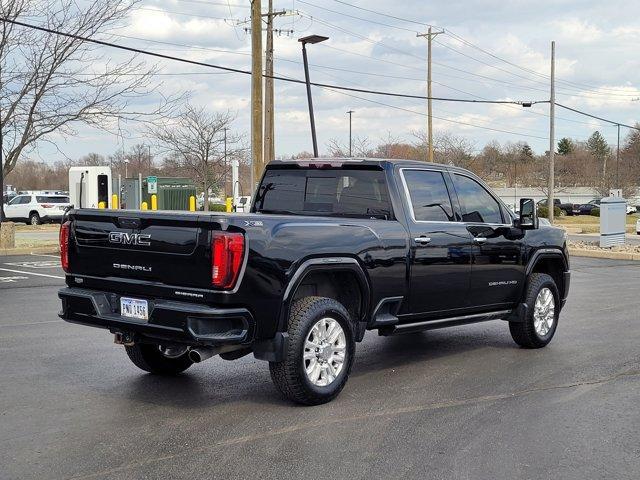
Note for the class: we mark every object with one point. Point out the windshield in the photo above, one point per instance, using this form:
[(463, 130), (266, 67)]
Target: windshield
[(330, 192)]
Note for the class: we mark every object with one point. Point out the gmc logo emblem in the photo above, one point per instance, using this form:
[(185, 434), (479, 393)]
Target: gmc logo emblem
[(129, 238)]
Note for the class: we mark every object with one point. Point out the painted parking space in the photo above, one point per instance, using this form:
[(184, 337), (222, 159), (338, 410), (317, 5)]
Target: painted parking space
[(30, 271)]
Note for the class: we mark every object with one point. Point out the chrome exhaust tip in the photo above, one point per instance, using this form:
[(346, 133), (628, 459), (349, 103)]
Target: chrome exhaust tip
[(197, 355)]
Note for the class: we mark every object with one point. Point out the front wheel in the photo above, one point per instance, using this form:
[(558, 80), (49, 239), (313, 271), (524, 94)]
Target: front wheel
[(541, 319), (153, 359), (319, 354)]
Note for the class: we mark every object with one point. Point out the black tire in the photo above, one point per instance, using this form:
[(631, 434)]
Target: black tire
[(34, 219), (289, 376), (148, 357), (524, 333)]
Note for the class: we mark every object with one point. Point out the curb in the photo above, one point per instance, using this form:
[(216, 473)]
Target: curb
[(53, 250), (583, 252)]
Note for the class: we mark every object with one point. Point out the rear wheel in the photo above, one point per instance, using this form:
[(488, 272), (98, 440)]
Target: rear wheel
[(320, 352), (158, 360), (541, 320), (34, 219)]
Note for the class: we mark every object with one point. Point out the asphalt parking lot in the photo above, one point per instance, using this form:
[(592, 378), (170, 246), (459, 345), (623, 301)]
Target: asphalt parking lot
[(454, 403)]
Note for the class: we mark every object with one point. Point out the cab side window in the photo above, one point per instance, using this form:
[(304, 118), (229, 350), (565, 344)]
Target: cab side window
[(429, 196), (478, 206)]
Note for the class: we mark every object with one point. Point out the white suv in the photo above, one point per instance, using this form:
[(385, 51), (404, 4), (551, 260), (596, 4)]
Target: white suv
[(36, 208)]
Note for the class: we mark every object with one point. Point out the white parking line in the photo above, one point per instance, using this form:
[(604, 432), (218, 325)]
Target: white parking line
[(32, 273), (44, 255)]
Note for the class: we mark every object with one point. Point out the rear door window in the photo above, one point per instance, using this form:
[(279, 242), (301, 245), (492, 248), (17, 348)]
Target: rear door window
[(325, 192), (429, 196)]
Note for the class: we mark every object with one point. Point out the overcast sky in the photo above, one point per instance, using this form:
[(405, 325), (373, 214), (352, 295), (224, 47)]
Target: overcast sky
[(597, 53)]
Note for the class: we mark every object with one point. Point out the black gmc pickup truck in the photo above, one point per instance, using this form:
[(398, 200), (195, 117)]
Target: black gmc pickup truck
[(331, 248)]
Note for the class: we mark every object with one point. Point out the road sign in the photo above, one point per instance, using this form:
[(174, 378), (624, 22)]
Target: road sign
[(152, 185)]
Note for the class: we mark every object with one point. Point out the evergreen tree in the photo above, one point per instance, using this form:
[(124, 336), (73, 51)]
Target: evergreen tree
[(565, 146), (599, 148)]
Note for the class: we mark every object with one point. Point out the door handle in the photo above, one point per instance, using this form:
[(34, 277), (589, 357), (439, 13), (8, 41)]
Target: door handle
[(422, 240), (479, 240)]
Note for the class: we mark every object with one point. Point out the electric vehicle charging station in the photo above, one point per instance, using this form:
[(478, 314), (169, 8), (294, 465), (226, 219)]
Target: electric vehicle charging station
[(90, 186)]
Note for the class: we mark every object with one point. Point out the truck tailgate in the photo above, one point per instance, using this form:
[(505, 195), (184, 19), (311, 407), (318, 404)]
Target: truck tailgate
[(163, 248)]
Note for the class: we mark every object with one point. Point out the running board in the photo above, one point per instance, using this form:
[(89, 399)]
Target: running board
[(443, 322)]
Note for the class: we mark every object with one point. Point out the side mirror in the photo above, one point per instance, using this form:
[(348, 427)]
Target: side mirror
[(528, 214)]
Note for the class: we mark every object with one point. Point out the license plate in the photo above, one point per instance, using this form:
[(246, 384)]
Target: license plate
[(134, 308)]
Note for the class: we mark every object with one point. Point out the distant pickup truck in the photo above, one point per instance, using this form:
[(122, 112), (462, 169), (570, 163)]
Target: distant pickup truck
[(567, 208), (330, 249)]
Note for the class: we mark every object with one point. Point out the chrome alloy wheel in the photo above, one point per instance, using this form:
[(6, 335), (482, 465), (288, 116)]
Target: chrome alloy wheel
[(544, 312), (324, 352)]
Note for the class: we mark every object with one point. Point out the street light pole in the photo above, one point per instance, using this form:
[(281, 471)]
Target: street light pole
[(304, 40), (350, 142)]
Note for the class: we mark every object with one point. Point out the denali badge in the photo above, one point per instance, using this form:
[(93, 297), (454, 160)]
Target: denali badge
[(129, 238), (137, 268)]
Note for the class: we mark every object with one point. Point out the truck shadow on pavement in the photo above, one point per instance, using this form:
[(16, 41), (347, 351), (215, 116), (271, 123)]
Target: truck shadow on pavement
[(219, 382), (425, 347)]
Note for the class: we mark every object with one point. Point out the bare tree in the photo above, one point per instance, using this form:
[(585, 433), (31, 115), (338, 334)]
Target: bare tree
[(49, 83), (360, 147), (194, 142)]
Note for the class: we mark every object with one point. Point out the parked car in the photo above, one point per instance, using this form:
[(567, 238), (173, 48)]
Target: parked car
[(638, 226), (585, 208), (567, 208), (34, 209), (331, 248)]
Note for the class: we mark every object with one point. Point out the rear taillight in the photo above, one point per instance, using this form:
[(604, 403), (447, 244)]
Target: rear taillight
[(64, 245), (227, 253), (46, 205)]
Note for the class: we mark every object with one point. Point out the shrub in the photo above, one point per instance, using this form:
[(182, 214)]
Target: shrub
[(543, 212), (595, 212), (217, 207)]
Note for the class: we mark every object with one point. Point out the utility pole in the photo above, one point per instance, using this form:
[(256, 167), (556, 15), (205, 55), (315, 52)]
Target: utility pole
[(618, 159), (430, 36), (350, 112), (257, 164), (552, 133), (269, 135), (225, 163)]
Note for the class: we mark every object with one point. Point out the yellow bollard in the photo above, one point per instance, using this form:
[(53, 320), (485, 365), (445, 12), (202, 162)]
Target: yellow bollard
[(229, 204), (144, 206), (154, 202), (114, 201), (192, 203), (102, 205)]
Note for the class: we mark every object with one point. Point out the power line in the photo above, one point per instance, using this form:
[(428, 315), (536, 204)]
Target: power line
[(596, 117), (247, 72), (408, 110), (567, 82), (321, 85), (539, 82), (384, 14), (159, 10), (323, 8), (458, 122)]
